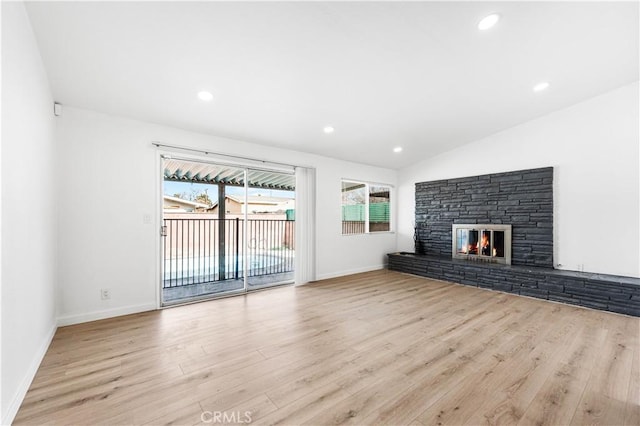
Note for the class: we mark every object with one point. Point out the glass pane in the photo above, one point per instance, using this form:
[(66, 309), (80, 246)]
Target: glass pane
[(353, 207), (462, 241), (270, 230), (200, 244), (498, 244), (473, 242), (485, 243), (379, 199)]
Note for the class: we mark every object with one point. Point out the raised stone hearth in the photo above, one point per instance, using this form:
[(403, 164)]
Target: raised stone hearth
[(599, 291)]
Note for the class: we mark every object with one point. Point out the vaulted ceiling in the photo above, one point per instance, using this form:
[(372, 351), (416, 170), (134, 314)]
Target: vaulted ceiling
[(416, 75)]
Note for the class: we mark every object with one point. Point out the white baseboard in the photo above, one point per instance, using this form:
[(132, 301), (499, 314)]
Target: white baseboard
[(107, 313), (351, 271), (20, 393)]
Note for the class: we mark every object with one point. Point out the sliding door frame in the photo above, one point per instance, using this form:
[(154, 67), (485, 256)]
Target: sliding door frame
[(218, 161)]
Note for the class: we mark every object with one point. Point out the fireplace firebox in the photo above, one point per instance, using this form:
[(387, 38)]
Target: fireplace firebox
[(488, 243)]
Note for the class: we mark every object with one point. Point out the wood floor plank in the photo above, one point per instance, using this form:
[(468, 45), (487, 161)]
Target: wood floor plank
[(355, 407), (632, 410), (485, 382), (374, 348), (191, 414), (325, 373), (604, 400), (563, 389), (302, 409), (254, 408), (510, 402), (255, 379)]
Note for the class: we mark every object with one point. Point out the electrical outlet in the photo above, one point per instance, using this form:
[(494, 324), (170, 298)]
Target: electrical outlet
[(105, 294), (146, 218)]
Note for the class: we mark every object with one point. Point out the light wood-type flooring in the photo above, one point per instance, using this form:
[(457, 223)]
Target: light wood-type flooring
[(373, 348)]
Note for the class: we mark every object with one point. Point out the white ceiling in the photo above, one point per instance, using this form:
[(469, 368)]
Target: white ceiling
[(416, 75)]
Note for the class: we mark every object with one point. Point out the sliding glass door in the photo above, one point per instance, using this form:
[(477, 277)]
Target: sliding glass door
[(225, 230)]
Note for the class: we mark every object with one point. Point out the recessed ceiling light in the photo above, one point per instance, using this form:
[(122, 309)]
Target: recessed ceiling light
[(543, 85), (205, 96), (397, 149), (488, 21), (328, 129)]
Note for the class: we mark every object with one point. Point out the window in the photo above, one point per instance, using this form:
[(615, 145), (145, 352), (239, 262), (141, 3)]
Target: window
[(365, 208)]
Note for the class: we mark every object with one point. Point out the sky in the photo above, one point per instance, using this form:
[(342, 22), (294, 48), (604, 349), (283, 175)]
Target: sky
[(171, 188)]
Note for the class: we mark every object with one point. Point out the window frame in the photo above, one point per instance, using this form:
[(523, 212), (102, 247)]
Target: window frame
[(367, 187)]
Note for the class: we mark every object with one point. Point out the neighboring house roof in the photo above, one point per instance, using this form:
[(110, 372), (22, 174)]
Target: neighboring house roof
[(253, 201), (193, 204), (259, 199)]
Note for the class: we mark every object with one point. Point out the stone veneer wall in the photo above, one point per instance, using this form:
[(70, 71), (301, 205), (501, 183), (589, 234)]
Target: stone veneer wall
[(523, 199)]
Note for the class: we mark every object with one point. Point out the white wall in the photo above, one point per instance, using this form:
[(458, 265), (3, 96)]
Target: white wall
[(593, 147), (109, 175), (28, 209)]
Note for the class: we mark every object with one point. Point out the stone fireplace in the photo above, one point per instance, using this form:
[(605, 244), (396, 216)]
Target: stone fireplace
[(502, 225)]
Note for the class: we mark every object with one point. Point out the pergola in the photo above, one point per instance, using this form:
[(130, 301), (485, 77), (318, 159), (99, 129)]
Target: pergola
[(187, 171)]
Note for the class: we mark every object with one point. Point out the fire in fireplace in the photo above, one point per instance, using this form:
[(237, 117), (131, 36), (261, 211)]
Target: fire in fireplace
[(489, 243)]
